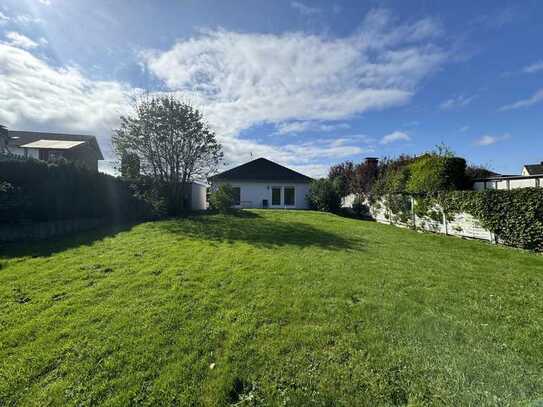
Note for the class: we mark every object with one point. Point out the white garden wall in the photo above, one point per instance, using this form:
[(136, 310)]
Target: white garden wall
[(462, 225)]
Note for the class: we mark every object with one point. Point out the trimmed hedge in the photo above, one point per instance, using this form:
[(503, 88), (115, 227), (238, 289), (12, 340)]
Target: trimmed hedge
[(34, 191), (515, 216)]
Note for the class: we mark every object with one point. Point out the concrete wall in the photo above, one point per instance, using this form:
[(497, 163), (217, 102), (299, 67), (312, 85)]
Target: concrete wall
[(253, 193), (45, 230), (512, 183), (198, 196), (462, 225)]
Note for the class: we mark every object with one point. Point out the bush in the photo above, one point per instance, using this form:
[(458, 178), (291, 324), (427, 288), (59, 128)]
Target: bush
[(222, 198), (325, 195), (360, 208), (431, 173), (39, 191)]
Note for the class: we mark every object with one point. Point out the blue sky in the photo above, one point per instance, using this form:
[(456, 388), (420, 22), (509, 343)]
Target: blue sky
[(305, 83)]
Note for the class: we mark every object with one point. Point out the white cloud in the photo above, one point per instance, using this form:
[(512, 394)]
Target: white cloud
[(487, 139), (536, 98), (309, 126), (16, 39), (456, 102), (305, 9), (38, 96), (45, 2), (395, 136), (27, 19), (3, 18), (240, 80), (245, 79), (533, 68)]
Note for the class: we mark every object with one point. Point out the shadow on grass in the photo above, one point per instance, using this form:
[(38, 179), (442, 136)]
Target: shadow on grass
[(47, 247), (258, 231)]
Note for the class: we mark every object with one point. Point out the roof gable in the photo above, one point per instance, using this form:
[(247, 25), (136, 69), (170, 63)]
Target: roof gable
[(261, 169), (534, 169)]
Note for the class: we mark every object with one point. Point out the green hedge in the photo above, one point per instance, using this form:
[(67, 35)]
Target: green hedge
[(515, 216), (34, 191)]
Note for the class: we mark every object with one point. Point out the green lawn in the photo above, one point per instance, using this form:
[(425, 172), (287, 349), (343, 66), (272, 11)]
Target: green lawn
[(269, 308)]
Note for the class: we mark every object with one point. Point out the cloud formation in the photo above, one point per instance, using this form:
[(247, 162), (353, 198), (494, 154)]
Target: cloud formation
[(38, 96), (245, 79), (309, 126), (536, 98), (293, 81), (487, 139), (456, 102), (305, 9), (533, 68), (16, 39), (394, 137)]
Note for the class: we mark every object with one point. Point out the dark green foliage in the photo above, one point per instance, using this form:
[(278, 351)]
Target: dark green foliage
[(431, 173), (222, 198), (39, 191), (474, 172), (515, 216), (325, 195), (130, 165)]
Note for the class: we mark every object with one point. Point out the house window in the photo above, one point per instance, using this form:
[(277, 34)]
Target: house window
[(276, 195), (44, 155), (237, 195), (289, 196)]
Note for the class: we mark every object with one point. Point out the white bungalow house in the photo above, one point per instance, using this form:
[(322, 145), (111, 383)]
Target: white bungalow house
[(261, 183)]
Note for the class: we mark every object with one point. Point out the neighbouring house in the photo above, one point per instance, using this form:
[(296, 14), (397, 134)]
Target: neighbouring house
[(80, 149), (533, 169), (261, 183), (532, 176)]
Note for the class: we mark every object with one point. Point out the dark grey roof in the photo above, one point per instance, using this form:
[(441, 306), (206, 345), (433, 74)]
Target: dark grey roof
[(19, 138), (261, 169), (534, 169)]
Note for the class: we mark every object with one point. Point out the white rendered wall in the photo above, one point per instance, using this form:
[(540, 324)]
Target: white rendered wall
[(253, 193)]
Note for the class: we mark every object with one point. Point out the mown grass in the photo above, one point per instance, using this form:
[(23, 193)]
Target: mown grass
[(269, 308)]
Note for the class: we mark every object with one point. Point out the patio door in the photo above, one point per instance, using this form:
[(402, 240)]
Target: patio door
[(276, 196)]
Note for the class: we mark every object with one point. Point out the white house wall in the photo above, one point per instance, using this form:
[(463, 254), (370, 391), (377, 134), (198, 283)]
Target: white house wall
[(253, 193)]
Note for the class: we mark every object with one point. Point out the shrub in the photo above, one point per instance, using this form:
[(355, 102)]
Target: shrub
[(431, 173), (325, 195), (222, 198), (360, 208)]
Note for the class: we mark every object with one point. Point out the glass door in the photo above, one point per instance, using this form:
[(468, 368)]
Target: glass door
[(276, 196)]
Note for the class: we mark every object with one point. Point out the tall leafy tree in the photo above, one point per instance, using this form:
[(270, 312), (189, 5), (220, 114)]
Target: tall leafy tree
[(342, 174), (172, 141)]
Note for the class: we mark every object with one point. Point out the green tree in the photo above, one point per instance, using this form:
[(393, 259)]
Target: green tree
[(173, 143)]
